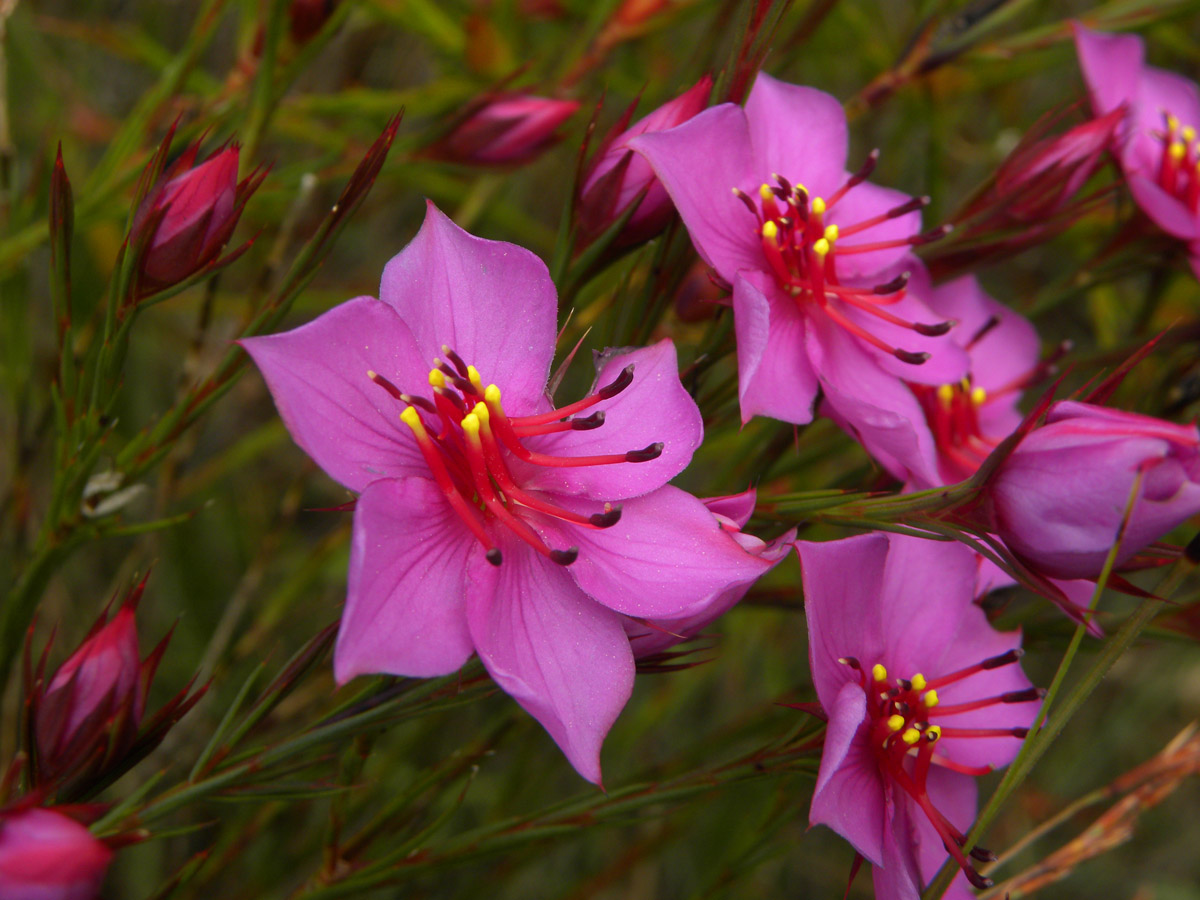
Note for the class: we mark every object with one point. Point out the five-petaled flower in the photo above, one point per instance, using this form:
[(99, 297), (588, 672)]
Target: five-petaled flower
[(922, 695), (1158, 147), (818, 258), (487, 520)]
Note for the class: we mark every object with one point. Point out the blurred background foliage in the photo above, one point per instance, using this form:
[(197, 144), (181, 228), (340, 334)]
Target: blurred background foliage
[(250, 559)]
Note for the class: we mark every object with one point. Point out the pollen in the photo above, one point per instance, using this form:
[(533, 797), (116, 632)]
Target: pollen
[(879, 673), (764, 191), (470, 426), (473, 377), (945, 393), (930, 699), (1172, 123), (918, 682), (491, 394), (831, 233), (911, 736), (1188, 133), (978, 396), (820, 247), (895, 723), (481, 412), (818, 206), (1177, 151), (770, 230), (436, 378), (412, 419), (933, 732)]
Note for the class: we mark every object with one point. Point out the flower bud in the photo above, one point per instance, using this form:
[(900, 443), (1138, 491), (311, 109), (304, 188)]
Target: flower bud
[(94, 697), (504, 130), (46, 856), (1059, 500), (188, 216), (617, 176)]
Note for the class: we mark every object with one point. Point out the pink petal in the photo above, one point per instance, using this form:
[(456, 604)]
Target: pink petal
[(843, 581), (775, 377), (563, 657), (317, 374), (666, 557), (955, 796), (699, 163), (491, 302), (865, 202), (1111, 64), (798, 132), (736, 507), (898, 878), (654, 408), (404, 610), (848, 796), (1167, 212)]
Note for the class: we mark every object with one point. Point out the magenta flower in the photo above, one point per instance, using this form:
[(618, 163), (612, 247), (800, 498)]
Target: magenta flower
[(505, 130), (1059, 499), (189, 215), (617, 176), (487, 520), (816, 257), (648, 637), (929, 436), (1157, 147), (922, 695), (46, 856)]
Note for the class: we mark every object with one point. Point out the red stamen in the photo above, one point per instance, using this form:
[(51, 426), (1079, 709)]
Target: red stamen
[(622, 381)]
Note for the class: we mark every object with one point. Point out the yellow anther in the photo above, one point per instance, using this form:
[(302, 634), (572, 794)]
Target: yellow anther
[(895, 723), (945, 393), (978, 396), (918, 682), (818, 206), (911, 736), (770, 230), (473, 377), (372, 374), (436, 378), (930, 699), (1177, 151), (879, 673), (764, 191), (831, 233), (1172, 123), (934, 732), (821, 247), (801, 189), (481, 412), (492, 394), (1188, 133), (470, 426), (412, 419)]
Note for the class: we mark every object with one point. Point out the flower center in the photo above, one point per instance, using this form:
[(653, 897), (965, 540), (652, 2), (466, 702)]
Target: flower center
[(801, 247), (952, 413), (904, 738), (466, 439), (1179, 164)]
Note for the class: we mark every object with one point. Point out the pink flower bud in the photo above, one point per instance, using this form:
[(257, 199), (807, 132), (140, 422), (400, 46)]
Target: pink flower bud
[(190, 215), (46, 856), (1058, 501), (95, 690), (617, 175), (505, 130)]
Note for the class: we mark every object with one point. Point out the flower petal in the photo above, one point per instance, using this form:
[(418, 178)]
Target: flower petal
[(848, 796), (700, 163), (1111, 64), (798, 132), (563, 657), (317, 374), (404, 610), (865, 202), (666, 558), (898, 878), (1168, 213), (775, 377), (491, 302), (843, 582), (655, 407)]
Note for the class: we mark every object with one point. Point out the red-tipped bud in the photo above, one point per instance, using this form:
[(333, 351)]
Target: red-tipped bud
[(188, 217), (617, 176), (48, 856), (505, 130)]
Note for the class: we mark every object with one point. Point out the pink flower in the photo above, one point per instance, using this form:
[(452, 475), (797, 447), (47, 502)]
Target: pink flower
[(732, 512), (189, 215), (816, 257), (929, 436), (487, 520), (46, 856), (505, 130), (1059, 499), (1157, 147), (921, 695), (617, 176)]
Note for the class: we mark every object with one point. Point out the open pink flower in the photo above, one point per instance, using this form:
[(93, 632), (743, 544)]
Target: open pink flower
[(45, 855), (929, 436), (1157, 147), (922, 695), (487, 520), (816, 256)]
